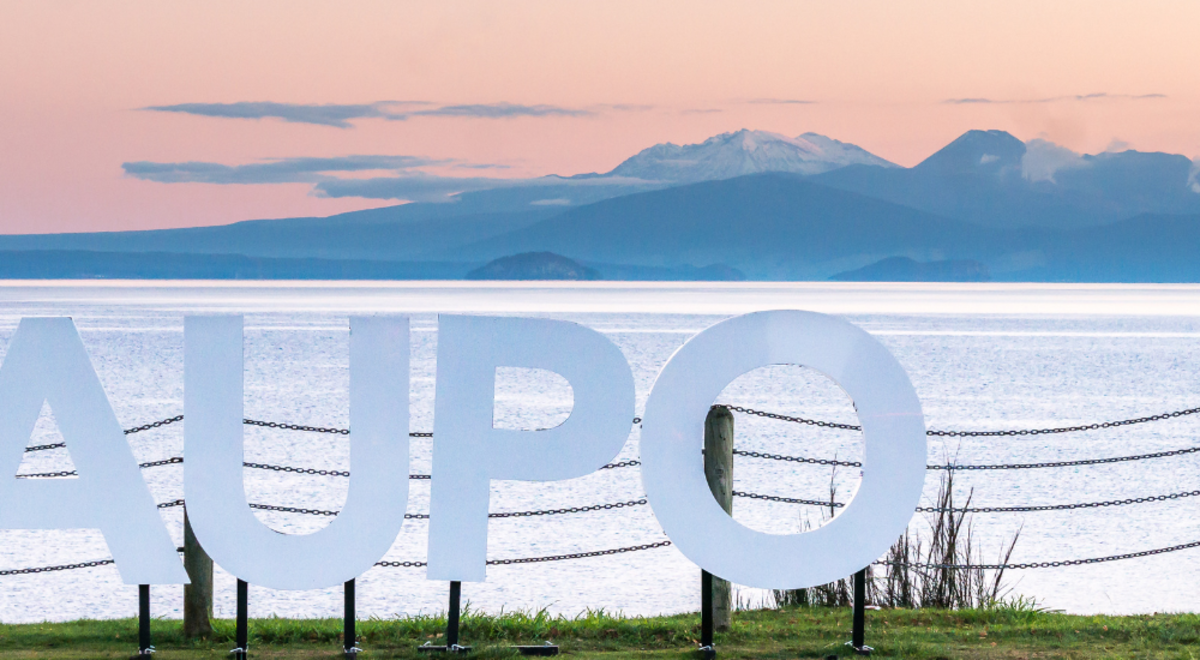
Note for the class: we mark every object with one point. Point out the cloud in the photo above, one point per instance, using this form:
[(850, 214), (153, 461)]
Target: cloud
[(1043, 159), (330, 114), (422, 187), (417, 187), (340, 116), (700, 111), (281, 170), (780, 102), (1099, 96), (1116, 146), (500, 111), (625, 107)]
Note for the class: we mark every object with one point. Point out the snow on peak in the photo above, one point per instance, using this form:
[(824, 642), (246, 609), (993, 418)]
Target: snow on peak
[(744, 152)]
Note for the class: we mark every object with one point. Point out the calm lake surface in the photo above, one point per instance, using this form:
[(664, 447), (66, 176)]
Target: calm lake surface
[(982, 357)]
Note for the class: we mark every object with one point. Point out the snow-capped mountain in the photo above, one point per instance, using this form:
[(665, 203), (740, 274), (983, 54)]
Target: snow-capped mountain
[(744, 152)]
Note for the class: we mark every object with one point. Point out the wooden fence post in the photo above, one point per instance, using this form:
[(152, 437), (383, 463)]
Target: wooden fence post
[(197, 596), (718, 468)]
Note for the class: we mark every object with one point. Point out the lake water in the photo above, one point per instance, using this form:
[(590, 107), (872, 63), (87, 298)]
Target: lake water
[(981, 357)]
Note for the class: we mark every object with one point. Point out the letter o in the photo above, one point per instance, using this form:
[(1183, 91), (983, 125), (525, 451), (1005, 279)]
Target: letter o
[(893, 462)]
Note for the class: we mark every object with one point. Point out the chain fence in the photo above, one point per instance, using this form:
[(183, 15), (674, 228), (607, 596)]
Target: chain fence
[(742, 494)]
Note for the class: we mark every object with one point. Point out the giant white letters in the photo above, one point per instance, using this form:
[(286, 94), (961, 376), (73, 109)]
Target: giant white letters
[(47, 362), (468, 453), (893, 461), (216, 499)]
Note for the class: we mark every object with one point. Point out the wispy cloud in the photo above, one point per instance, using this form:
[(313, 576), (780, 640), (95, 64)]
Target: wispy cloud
[(341, 116), (624, 107), (281, 170), (330, 114), (422, 187), (1099, 96), (500, 111), (700, 111), (780, 102), (416, 187)]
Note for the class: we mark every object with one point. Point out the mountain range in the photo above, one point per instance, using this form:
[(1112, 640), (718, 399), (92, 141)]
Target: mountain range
[(768, 205)]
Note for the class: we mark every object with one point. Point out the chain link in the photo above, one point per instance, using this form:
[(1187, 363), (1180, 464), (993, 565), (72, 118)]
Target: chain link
[(425, 516), (1058, 507), (1049, 564), (578, 555), (990, 509), (787, 418), (972, 434), (51, 569), (622, 464), (1055, 464), (136, 429), (574, 509), (786, 500), (295, 427), (796, 459), (538, 560), (997, 466), (57, 445), (74, 473), (296, 470), (388, 564), (154, 425)]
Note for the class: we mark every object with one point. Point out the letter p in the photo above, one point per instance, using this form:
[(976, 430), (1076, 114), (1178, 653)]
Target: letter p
[(468, 453)]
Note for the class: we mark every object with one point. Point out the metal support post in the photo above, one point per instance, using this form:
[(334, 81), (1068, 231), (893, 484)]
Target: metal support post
[(859, 633), (452, 619), (706, 616), (145, 648), (243, 632), (452, 644), (349, 636)]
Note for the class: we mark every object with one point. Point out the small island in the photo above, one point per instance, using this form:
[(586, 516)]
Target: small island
[(534, 266)]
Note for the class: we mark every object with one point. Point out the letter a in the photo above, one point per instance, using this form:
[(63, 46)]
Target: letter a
[(47, 362)]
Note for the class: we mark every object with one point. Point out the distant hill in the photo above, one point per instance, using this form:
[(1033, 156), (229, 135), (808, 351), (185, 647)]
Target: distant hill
[(769, 226), (82, 264), (533, 266), (903, 269), (395, 233)]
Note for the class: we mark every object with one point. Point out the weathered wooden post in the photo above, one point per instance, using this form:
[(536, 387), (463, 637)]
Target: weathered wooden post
[(197, 596), (718, 468)]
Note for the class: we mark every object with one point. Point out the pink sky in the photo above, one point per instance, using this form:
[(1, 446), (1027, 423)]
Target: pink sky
[(75, 75)]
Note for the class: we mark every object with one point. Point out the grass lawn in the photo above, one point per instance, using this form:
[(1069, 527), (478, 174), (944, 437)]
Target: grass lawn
[(789, 633)]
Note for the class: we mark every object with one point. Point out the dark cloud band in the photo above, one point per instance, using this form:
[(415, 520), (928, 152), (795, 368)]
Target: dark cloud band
[(283, 170), (340, 116)]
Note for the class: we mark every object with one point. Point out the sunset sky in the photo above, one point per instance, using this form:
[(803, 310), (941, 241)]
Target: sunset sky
[(100, 102)]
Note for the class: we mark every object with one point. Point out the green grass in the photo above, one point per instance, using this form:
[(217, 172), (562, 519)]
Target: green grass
[(1007, 633)]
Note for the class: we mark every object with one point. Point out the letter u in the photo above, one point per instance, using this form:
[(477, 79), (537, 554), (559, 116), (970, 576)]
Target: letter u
[(214, 490)]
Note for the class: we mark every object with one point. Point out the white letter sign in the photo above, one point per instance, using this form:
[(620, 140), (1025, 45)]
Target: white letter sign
[(893, 461), (47, 362), (216, 497), (468, 453)]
